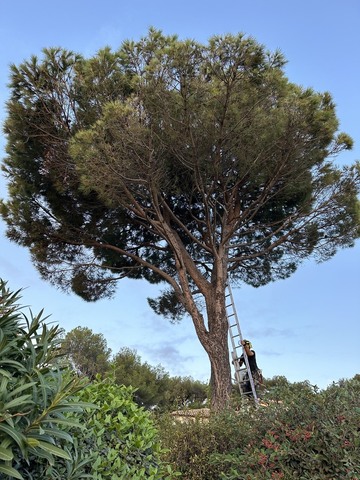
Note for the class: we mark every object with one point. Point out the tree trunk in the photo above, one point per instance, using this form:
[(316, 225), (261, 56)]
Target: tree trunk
[(213, 336), (215, 343), (220, 380)]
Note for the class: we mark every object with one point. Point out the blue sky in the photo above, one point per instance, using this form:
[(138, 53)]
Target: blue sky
[(306, 327)]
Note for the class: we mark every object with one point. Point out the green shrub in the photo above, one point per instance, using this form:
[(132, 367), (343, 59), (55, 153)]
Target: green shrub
[(122, 435), (191, 446), (310, 435), (300, 433), (36, 395)]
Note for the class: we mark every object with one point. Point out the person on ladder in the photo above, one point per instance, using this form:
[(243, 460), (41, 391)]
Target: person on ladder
[(255, 370)]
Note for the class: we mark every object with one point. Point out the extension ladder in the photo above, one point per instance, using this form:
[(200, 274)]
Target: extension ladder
[(242, 375)]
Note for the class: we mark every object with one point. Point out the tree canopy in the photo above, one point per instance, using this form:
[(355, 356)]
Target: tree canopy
[(87, 352), (175, 162)]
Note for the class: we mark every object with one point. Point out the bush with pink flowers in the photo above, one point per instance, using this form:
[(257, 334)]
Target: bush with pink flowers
[(298, 433)]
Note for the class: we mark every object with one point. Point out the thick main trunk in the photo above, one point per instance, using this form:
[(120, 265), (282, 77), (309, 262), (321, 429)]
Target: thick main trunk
[(220, 381), (215, 342)]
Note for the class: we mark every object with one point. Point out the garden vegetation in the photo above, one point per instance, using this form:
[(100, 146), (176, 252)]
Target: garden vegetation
[(58, 424)]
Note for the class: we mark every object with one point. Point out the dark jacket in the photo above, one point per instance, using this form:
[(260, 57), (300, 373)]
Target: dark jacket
[(252, 362)]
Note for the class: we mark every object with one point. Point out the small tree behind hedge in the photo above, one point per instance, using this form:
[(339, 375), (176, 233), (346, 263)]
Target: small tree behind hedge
[(87, 351)]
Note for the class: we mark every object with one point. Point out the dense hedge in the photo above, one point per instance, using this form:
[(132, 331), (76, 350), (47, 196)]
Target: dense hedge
[(120, 435), (300, 433)]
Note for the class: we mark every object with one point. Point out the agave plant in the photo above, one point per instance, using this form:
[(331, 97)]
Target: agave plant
[(38, 398)]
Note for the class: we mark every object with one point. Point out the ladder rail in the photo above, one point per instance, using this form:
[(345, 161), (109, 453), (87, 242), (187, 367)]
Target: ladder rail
[(238, 334)]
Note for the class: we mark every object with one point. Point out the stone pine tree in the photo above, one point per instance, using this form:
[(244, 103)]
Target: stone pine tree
[(175, 162)]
